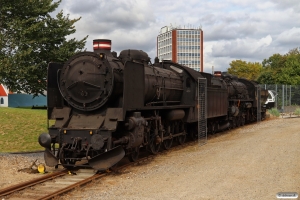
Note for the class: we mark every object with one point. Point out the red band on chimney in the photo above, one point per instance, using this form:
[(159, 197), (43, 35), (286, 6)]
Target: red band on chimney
[(102, 44)]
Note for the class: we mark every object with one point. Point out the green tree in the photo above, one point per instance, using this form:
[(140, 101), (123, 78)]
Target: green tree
[(30, 38), (243, 69), (281, 69), (271, 67)]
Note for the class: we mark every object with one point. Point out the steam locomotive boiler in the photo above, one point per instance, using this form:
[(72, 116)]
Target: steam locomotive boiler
[(102, 107)]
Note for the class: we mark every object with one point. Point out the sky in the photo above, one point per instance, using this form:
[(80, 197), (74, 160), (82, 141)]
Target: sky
[(250, 30)]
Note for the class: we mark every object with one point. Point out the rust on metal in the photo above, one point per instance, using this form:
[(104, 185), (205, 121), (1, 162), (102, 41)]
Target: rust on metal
[(14, 188)]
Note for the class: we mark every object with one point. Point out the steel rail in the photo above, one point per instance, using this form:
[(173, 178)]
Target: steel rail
[(27, 184), (71, 187), (92, 178), (23, 185)]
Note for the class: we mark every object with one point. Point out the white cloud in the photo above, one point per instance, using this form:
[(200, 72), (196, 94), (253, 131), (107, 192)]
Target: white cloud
[(289, 37), (294, 4), (244, 47), (250, 29)]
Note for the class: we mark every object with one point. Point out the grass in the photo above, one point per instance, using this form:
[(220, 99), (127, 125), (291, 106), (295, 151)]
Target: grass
[(274, 112), (297, 111), (20, 129)]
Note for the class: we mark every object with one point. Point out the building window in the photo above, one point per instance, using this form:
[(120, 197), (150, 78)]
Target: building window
[(2, 101)]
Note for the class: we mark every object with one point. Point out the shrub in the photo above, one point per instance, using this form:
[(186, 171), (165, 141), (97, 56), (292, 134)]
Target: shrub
[(274, 112), (297, 111)]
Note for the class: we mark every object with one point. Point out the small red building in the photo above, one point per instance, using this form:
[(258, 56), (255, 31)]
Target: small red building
[(3, 96)]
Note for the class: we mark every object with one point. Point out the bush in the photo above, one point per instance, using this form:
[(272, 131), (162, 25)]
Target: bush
[(274, 112), (297, 111)]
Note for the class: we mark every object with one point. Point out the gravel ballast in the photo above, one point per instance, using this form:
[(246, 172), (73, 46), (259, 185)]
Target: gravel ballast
[(252, 162)]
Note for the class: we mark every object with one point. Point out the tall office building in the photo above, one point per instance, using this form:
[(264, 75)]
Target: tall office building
[(184, 46)]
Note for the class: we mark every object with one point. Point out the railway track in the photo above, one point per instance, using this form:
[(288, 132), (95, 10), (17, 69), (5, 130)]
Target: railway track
[(49, 186), (55, 184)]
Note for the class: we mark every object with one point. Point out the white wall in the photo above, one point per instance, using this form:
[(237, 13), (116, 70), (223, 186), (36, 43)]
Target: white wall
[(5, 101)]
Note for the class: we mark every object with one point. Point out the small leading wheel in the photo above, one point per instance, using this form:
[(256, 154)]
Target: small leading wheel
[(134, 155), (65, 160)]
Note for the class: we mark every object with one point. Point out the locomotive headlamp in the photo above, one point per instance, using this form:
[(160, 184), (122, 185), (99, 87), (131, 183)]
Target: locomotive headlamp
[(102, 55)]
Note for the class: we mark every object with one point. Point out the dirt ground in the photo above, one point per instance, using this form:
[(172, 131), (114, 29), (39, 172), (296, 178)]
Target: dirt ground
[(252, 162)]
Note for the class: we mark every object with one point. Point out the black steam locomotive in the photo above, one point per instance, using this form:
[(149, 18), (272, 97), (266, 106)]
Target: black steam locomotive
[(102, 107)]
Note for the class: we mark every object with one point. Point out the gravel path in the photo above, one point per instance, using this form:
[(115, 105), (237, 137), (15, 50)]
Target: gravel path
[(253, 162), (10, 164)]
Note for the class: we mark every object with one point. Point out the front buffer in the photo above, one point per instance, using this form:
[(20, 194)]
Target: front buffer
[(68, 156), (84, 138)]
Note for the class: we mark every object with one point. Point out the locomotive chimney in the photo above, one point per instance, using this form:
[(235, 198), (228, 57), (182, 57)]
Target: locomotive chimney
[(102, 45), (218, 73)]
